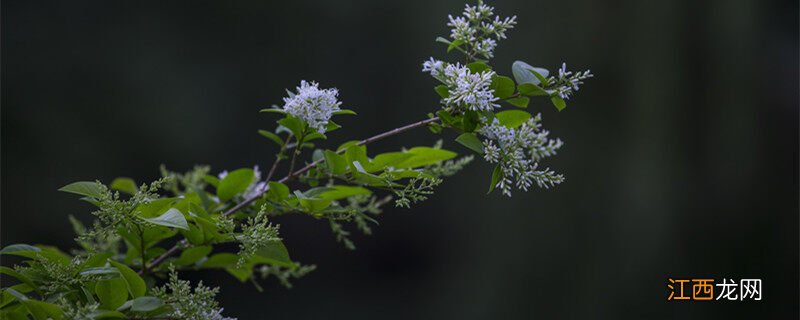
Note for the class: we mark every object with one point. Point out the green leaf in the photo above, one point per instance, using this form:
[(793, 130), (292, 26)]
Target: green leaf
[(43, 310), (347, 144), (345, 112), (558, 102), (540, 74), (273, 110), (192, 255), (470, 120), (172, 218), (496, 175), (136, 284), (361, 175), (294, 125), (241, 274), (503, 86), (471, 141), (220, 261), (521, 102), (112, 293), (331, 126), (448, 119), (388, 159), (442, 90), (212, 180), (154, 208), (126, 185), (478, 66), (512, 118), (341, 192), (17, 312), (100, 271), (228, 262), (13, 273), (16, 294), (201, 231), (274, 253), (312, 205), (336, 163), (12, 248), (234, 183), (522, 73), (442, 40), (454, 44), (146, 304), (271, 136), (37, 253), (318, 155), (106, 314), (530, 89), (96, 260), (423, 156), (315, 135), (277, 191), (84, 188), (356, 153)]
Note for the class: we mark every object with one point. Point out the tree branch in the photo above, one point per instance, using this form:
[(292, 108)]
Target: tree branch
[(316, 163), (300, 171), (278, 158)]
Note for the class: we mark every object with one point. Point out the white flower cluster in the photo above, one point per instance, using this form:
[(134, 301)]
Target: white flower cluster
[(475, 27), (197, 304), (467, 90), (567, 82), (216, 315), (313, 105), (518, 151)]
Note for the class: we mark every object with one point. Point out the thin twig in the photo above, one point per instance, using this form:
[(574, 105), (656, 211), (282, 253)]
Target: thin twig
[(300, 171), (278, 158), (297, 149), (157, 261)]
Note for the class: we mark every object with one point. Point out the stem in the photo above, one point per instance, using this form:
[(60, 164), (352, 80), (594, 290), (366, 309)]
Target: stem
[(157, 261), (278, 158), (294, 155), (141, 248), (291, 174)]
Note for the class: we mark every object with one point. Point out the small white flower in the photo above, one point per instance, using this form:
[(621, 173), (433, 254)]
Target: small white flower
[(478, 12), (486, 47), (499, 27), (567, 82), (461, 29), (313, 105), (216, 315), (491, 153), (433, 66)]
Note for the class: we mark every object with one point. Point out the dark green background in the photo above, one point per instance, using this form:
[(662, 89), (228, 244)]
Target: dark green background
[(681, 156)]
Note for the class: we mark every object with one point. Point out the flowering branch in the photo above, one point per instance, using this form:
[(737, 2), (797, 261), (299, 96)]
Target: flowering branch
[(343, 185), (177, 247)]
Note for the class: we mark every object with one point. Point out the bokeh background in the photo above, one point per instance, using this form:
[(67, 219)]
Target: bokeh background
[(681, 155)]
